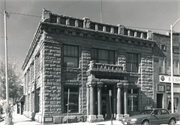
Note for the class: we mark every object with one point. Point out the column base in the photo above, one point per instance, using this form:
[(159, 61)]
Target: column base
[(119, 117), (126, 115), (100, 118), (91, 118)]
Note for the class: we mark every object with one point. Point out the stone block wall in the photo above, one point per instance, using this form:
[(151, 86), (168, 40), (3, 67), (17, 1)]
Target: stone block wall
[(52, 79), (84, 61), (147, 82)]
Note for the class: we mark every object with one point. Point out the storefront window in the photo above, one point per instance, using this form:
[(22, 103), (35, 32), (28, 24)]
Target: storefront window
[(73, 99), (133, 99)]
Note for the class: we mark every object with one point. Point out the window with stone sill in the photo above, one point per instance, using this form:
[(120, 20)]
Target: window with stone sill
[(163, 47), (175, 49), (73, 99), (132, 62), (37, 68), (32, 72), (103, 56), (176, 67), (70, 56), (161, 67)]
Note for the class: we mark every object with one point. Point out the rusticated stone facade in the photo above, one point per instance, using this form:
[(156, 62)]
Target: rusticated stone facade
[(80, 65)]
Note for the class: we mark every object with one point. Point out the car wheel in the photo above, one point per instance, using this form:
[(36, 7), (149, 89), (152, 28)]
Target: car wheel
[(172, 122), (145, 123)]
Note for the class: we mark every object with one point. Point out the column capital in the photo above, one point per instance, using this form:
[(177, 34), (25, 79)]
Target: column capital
[(92, 84), (125, 84), (99, 84), (119, 85)]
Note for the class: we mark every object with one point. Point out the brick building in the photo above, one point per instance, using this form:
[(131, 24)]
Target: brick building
[(103, 68)]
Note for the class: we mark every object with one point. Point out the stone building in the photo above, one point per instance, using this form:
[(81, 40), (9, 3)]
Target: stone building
[(88, 70), (163, 96)]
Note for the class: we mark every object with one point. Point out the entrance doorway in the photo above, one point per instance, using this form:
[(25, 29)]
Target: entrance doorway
[(159, 100), (106, 112)]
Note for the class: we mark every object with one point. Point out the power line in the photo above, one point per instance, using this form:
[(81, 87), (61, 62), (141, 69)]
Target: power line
[(79, 1), (24, 14)]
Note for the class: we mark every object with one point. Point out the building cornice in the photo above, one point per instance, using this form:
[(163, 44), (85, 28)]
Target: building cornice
[(51, 23)]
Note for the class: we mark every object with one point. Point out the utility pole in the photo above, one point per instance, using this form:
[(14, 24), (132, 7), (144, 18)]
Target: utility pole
[(6, 57), (101, 16)]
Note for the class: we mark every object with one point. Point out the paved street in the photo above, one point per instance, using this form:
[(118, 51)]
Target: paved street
[(22, 120)]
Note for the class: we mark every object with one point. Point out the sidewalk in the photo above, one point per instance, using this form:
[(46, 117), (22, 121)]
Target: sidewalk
[(22, 120)]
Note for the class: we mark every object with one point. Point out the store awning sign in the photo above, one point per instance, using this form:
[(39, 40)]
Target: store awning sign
[(167, 79)]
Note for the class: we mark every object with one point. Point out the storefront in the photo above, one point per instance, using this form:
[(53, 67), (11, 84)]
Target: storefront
[(164, 92)]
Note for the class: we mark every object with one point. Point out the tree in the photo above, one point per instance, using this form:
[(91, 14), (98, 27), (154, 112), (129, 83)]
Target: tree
[(14, 80)]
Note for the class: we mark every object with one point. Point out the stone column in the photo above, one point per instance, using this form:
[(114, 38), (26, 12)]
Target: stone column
[(92, 116), (125, 100), (88, 98), (100, 116), (119, 104), (91, 100)]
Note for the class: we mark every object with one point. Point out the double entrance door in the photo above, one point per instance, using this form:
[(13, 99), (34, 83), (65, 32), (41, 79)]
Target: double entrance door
[(107, 101)]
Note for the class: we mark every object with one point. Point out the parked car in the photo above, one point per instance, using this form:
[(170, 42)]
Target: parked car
[(152, 117)]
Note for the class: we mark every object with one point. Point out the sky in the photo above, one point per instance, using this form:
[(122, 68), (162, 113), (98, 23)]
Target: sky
[(25, 15)]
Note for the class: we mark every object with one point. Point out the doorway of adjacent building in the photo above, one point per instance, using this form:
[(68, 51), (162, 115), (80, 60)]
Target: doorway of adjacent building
[(106, 112), (159, 100)]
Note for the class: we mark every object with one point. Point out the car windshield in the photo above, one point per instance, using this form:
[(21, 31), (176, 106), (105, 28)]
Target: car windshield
[(146, 112)]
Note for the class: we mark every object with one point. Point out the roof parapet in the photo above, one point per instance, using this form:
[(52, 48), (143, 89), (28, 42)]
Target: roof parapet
[(86, 23)]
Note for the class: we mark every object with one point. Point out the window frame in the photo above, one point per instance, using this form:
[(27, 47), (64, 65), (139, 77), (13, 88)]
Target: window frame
[(66, 95), (71, 56), (131, 62), (133, 98), (97, 59)]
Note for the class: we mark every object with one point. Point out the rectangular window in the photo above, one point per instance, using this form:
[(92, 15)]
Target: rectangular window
[(133, 99), (32, 72), (161, 66), (175, 49), (103, 56), (163, 47), (132, 62), (176, 67), (37, 68), (71, 56), (73, 99)]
